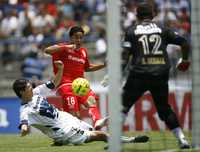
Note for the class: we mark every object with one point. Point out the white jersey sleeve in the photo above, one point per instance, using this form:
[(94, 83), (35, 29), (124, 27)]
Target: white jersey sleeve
[(45, 89), (24, 111)]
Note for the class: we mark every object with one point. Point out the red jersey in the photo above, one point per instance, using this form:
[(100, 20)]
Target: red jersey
[(75, 62)]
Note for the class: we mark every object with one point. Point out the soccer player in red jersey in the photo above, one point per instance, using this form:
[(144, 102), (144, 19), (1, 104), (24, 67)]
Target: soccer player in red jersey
[(75, 60)]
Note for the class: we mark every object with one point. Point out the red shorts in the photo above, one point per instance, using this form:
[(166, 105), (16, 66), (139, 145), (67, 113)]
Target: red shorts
[(70, 100)]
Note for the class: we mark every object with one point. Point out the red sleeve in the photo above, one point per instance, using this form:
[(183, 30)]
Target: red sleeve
[(58, 54)]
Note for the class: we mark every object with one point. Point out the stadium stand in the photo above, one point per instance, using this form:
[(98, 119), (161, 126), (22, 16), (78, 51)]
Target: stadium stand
[(46, 22)]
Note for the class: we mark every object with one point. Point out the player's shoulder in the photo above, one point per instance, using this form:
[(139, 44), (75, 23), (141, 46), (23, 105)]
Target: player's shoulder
[(83, 51), (24, 105), (130, 29), (49, 85)]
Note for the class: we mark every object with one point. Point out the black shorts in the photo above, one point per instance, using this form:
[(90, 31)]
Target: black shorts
[(136, 86)]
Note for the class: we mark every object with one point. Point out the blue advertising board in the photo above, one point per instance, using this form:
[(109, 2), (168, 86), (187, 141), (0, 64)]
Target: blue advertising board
[(9, 115)]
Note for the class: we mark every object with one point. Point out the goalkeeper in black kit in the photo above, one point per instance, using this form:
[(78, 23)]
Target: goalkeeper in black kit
[(146, 42)]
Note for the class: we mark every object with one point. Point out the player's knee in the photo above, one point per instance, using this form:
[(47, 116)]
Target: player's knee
[(164, 114)]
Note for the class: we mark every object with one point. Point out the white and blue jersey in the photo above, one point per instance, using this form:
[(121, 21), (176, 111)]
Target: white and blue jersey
[(58, 125)]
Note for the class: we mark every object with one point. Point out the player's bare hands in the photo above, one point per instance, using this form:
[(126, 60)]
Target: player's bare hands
[(59, 64), (24, 130)]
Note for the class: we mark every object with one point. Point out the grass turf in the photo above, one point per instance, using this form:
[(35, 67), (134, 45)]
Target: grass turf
[(159, 141)]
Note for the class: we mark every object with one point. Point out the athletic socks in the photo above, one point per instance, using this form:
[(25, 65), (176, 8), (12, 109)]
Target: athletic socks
[(94, 113)]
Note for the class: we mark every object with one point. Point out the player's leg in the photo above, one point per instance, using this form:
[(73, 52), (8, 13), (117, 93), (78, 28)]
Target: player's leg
[(132, 91), (103, 136), (80, 136), (160, 93), (91, 103)]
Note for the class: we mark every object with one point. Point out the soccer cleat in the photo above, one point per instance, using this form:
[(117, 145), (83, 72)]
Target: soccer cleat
[(56, 144), (101, 123), (106, 147), (183, 144), (140, 139), (137, 139)]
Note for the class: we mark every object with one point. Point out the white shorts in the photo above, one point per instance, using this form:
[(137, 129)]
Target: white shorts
[(78, 139), (76, 136), (72, 130)]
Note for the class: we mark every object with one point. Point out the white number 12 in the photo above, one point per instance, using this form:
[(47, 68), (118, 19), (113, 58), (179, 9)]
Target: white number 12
[(156, 39)]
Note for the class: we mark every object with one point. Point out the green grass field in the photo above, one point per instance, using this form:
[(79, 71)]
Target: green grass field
[(164, 142)]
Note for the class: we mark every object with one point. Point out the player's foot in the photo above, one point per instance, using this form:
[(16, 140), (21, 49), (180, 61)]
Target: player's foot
[(183, 144), (101, 123), (137, 139), (106, 147), (56, 144), (140, 139)]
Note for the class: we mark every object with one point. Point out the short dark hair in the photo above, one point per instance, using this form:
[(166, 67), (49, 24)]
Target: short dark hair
[(144, 11), (20, 85), (74, 30)]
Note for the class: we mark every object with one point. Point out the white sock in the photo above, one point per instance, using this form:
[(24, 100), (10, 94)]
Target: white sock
[(123, 118), (178, 134), (125, 139)]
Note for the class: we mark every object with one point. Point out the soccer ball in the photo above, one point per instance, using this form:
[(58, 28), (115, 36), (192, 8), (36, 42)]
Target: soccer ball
[(80, 86)]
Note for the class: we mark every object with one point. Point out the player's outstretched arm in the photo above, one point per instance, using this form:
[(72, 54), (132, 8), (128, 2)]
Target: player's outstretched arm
[(59, 74), (95, 67), (54, 48)]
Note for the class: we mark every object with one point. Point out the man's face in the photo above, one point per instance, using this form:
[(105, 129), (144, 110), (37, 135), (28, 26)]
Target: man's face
[(77, 39), (28, 92)]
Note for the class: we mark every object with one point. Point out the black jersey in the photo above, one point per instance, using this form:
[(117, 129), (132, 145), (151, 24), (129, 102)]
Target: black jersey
[(147, 42)]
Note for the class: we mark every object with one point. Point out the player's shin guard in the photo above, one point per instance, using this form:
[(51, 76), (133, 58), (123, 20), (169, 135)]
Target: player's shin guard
[(94, 113), (98, 121)]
